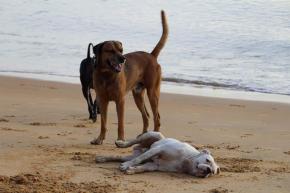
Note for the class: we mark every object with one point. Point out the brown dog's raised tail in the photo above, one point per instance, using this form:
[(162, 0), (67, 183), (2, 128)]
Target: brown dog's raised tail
[(88, 54), (163, 38)]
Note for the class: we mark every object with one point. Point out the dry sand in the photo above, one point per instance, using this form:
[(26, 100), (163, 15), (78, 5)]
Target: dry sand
[(45, 134)]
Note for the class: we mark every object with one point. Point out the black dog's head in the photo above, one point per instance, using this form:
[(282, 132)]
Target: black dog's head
[(109, 56)]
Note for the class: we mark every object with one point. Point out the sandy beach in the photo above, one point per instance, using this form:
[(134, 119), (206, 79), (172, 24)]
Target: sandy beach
[(45, 134)]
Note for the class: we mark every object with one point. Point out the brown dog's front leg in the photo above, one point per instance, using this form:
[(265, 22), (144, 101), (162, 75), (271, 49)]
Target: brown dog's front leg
[(104, 109), (120, 111)]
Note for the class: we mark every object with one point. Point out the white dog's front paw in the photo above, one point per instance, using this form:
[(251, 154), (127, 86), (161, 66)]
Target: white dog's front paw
[(124, 166)]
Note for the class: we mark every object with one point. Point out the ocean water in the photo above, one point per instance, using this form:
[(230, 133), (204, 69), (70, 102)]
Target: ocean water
[(237, 45)]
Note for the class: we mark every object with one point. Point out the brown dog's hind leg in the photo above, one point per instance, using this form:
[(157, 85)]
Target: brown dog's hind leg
[(139, 100), (104, 109), (153, 95)]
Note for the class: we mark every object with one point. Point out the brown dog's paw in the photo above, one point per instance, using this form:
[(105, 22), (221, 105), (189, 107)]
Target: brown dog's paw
[(97, 141)]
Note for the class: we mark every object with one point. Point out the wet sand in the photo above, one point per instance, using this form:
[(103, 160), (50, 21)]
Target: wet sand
[(45, 134)]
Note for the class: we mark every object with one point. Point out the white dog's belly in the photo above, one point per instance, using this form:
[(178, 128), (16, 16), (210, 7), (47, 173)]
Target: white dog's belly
[(172, 155), (167, 165), (167, 141), (174, 148)]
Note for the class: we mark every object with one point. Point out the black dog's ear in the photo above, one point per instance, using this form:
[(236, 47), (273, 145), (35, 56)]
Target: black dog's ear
[(97, 51)]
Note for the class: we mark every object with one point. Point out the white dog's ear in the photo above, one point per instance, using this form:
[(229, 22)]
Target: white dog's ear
[(205, 151)]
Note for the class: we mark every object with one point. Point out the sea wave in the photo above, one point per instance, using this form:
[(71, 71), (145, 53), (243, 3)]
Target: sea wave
[(214, 84), (212, 43), (176, 81)]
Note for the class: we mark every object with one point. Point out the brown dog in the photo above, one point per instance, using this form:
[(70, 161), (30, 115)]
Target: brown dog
[(116, 74)]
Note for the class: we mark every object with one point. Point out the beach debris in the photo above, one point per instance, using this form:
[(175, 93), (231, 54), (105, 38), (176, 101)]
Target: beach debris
[(42, 124), (219, 190), (4, 120), (43, 137), (79, 125)]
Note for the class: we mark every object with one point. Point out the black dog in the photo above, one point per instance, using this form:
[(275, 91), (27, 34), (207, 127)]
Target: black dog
[(86, 77)]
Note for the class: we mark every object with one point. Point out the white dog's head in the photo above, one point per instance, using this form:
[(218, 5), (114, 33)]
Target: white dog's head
[(202, 165)]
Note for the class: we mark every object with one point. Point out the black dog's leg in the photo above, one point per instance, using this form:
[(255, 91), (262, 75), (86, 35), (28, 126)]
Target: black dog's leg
[(96, 107), (93, 114), (86, 93), (96, 110)]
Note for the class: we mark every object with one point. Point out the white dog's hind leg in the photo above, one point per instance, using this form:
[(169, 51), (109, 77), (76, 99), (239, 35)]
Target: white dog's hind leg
[(147, 167), (124, 144), (102, 159), (145, 156), (144, 140), (137, 150)]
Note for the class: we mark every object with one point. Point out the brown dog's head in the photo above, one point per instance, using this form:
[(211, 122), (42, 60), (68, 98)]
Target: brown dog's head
[(109, 56)]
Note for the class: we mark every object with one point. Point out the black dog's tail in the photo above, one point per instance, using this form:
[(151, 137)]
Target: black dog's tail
[(155, 52), (88, 54)]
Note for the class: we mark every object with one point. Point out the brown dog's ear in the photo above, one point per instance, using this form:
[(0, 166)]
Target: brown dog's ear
[(97, 51), (120, 46)]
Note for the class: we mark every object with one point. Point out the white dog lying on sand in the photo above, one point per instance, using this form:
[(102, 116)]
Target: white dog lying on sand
[(154, 152)]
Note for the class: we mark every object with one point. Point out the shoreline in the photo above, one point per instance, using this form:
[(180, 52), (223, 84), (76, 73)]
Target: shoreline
[(175, 88)]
